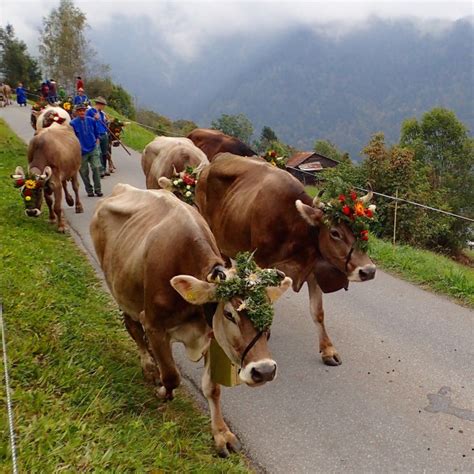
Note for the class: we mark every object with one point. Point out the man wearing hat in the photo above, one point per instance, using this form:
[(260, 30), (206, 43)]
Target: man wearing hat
[(80, 98), (98, 114), (87, 132)]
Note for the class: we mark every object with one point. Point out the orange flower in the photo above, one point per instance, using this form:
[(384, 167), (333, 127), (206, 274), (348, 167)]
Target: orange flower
[(359, 208)]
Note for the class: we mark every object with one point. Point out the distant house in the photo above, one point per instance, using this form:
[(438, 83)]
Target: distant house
[(305, 164)]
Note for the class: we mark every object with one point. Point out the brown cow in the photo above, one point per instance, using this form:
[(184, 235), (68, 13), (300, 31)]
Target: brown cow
[(212, 142), (276, 218), (168, 156), (54, 157), (6, 92), (161, 262)]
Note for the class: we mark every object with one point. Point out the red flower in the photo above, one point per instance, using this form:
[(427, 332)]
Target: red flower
[(189, 180), (353, 195), (272, 154), (346, 210), (369, 213), (27, 192), (20, 182), (341, 197), (364, 235)]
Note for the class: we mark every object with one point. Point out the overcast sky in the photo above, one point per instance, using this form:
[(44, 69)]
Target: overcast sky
[(189, 25)]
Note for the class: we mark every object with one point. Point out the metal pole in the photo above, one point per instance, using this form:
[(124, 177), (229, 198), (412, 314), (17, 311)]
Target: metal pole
[(395, 218)]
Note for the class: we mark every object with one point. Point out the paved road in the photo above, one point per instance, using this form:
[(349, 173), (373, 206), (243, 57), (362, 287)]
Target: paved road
[(401, 402)]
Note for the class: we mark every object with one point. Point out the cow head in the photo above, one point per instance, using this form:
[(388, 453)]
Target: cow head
[(344, 260), (32, 188), (116, 127), (245, 344)]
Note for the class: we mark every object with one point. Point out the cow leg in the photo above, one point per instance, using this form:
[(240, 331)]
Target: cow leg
[(69, 199), (48, 197), (223, 437), (75, 187), (160, 346), (112, 167), (58, 197), (327, 350), (149, 367)]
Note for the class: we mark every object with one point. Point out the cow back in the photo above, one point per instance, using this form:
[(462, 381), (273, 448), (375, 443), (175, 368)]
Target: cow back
[(143, 239), (250, 206), (213, 142)]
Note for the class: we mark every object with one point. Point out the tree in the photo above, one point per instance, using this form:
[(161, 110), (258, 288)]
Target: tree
[(267, 138), (238, 126), (329, 149), (122, 101), (63, 46), (16, 65)]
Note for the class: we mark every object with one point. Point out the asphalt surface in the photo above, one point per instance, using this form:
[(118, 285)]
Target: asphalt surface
[(402, 401)]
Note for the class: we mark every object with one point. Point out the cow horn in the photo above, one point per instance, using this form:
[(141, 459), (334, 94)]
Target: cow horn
[(318, 203), (47, 172), (19, 173), (365, 199)]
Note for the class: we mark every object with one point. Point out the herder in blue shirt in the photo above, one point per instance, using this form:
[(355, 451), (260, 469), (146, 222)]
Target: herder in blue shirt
[(99, 116), (21, 95), (88, 134), (80, 98)]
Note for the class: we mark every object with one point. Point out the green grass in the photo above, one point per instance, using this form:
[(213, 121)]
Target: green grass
[(428, 269), (80, 403), (431, 270), (133, 135)]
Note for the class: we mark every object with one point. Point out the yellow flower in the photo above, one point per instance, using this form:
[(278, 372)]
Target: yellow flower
[(27, 198), (30, 183)]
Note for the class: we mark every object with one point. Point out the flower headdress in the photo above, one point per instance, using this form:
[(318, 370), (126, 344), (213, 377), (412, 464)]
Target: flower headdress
[(184, 184), (351, 209), (249, 283), (272, 158), (29, 186)]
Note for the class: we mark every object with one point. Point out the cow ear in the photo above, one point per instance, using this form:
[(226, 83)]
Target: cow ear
[(310, 214), (194, 291), (274, 292), (165, 183)]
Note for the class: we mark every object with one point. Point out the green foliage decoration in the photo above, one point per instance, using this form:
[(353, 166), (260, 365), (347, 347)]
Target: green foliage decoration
[(249, 284)]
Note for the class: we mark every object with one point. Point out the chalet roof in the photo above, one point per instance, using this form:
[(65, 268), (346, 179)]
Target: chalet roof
[(300, 157)]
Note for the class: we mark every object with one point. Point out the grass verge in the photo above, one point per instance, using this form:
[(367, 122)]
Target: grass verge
[(80, 404), (428, 269)]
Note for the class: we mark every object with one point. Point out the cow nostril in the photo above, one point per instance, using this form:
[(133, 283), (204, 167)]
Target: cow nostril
[(367, 273), (263, 374)]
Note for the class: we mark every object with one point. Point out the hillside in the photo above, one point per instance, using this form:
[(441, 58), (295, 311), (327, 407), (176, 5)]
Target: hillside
[(306, 85)]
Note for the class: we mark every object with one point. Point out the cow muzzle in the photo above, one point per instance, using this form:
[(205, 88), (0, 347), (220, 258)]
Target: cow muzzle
[(365, 273), (33, 212), (258, 373)]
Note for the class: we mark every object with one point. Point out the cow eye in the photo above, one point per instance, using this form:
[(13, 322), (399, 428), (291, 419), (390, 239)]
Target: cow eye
[(335, 234), (228, 315)]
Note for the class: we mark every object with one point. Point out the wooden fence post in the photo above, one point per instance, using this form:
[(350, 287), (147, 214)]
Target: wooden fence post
[(395, 218)]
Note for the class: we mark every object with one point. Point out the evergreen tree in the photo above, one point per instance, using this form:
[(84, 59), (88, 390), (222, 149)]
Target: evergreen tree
[(63, 46), (16, 65)]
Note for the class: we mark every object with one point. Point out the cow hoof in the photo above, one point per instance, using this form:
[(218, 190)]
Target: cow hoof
[(234, 445), (61, 230), (164, 394), (223, 453), (332, 360), (79, 209), (70, 201)]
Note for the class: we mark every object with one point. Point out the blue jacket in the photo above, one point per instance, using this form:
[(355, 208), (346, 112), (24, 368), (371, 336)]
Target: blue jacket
[(20, 95), (101, 121), (80, 99), (87, 133)]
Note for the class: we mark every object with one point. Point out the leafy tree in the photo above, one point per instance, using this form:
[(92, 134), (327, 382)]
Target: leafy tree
[(122, 101), (267, 137), (63, 46), (158, 122), (329, 149), (102, 86), (184, 127), (16, 65), (238, 126), (441, 141)]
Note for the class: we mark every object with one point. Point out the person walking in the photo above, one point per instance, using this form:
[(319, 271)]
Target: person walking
[(79, 83), (86, 131), (80, 98), (21, 95), (98, 114)]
